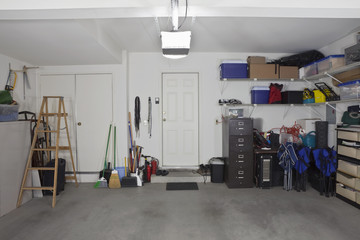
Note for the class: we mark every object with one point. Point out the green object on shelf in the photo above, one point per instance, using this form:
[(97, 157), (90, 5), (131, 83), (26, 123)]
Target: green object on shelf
[(5, 97)]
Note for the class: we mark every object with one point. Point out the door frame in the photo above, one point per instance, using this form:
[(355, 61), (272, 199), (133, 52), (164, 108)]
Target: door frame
[(161, 119)]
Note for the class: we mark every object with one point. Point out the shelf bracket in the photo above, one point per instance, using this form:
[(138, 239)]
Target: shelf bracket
[(334, 78), (287, 109), (252, 110)]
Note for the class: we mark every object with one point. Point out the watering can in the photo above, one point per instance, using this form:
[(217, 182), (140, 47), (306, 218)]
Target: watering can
[(309, 139)]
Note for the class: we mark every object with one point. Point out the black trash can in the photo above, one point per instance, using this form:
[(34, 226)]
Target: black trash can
[(217, 170), (48, 177)]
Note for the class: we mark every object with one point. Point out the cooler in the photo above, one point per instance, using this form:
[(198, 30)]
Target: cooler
[(233, 69), (260, 95)]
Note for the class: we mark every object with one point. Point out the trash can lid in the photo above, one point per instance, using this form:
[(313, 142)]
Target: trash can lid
[(216, 161)]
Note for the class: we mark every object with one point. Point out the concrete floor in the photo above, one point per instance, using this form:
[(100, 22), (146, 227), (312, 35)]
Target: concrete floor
[(213, 212)]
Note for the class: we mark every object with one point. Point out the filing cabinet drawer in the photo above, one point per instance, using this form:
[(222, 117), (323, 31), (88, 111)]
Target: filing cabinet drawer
[(240, 127), (240, 143), (241, 178), (349, 151), (241, 158)]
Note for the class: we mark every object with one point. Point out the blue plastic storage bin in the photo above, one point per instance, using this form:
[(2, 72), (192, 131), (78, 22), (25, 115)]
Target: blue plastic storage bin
[(233, 70), (9, 112), (260, 95)]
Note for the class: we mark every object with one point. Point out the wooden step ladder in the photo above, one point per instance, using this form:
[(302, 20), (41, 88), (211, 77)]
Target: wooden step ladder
[(44, 114)]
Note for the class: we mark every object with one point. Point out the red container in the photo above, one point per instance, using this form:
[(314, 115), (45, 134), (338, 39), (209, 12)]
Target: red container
[(153, 166)]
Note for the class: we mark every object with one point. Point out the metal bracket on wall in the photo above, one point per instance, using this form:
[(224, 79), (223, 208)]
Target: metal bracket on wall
[(253, 109), (287, 109), (333, 77)]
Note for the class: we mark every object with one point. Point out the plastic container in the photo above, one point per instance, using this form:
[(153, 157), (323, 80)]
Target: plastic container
[(121, 172), (350, 90), (9, 112), (330, 62), (310, 69), (319, 96), (260, 95), (233, 69), (217, 170)]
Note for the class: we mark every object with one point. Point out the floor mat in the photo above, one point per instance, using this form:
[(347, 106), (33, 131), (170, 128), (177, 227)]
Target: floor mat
[(182, 186)]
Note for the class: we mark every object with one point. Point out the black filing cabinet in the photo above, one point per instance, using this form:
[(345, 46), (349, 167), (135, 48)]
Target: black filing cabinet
[(238, 152)]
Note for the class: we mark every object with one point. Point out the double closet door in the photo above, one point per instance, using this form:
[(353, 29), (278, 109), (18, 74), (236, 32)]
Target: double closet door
[(88, 102)]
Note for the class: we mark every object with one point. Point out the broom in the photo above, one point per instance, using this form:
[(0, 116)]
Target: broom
[(102, 181), (114, 181)]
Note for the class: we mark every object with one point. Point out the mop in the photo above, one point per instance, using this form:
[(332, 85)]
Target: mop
[(114, 181), (102, 181)]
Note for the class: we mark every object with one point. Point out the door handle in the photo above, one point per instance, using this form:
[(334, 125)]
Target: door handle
[(164, 119), (79, 123)]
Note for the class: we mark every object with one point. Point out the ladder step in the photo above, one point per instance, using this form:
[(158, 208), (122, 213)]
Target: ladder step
[(42, 168), (70, 178), (48, 131), (52, 148), (53, 114), (38, 188)]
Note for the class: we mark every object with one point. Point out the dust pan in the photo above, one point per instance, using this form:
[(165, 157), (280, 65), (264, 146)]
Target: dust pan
[(114, 181)]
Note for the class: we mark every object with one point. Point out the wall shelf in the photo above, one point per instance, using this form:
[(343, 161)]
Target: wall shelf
[(333, 72), (262, 80), (296, 105)]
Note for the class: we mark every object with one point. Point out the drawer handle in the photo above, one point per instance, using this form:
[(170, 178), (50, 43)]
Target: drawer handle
[(240, 140), (239, 128), (240, 177), (241, 156), (240, 145), (241, 123), (241, 172), (240, 161)]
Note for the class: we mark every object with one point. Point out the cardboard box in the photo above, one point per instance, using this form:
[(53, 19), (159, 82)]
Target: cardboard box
[(347, 76), (289, 72), (264, 71), (256, 60)]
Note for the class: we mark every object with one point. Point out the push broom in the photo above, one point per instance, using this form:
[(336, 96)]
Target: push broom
[(114, 181), (102, 181)]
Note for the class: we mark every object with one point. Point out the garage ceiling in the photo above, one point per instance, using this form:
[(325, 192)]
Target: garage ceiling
[(83, 32)]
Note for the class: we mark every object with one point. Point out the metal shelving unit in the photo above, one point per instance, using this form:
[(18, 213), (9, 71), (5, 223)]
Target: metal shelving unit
[(331, 73), (262, 80)]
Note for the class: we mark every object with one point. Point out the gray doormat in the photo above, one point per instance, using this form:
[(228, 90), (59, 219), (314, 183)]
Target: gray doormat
[(181, 186)]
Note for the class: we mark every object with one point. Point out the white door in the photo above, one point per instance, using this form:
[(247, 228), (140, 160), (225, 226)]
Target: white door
[(88, 101), (94, 115), (180, 119)]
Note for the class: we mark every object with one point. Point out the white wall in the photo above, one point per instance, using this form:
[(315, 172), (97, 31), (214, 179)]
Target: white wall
[(28, 103), (145, 71)]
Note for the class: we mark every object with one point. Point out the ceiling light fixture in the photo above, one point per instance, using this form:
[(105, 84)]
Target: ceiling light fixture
[(176, 44)]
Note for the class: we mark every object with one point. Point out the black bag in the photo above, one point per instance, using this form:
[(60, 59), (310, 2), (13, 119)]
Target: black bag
[(301, 59), (48, 179), (259, 140), (274, 140)]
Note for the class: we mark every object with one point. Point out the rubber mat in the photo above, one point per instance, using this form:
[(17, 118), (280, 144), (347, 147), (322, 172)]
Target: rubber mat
[(181, 186)]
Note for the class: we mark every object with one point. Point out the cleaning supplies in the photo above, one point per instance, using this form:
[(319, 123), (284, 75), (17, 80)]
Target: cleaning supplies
[(114, 178), (102, 181)]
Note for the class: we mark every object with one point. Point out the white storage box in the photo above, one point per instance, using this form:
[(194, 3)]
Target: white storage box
[(348, 180), (349, 168), (346, 192), (330, 62), (308, 124), (350, 90)]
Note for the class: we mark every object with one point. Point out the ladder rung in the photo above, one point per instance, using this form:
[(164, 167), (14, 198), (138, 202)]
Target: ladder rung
[(70, 177), (48, 131), (52, 148), (42, 168), (38, 188), (54, 114), (53, 97)]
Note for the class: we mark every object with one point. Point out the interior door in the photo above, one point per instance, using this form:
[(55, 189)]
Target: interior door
[(94, 115), (180, 119), (88, 102)]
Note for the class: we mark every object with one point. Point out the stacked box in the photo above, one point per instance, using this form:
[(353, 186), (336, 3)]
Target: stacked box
[(350, 90), (330, 62)]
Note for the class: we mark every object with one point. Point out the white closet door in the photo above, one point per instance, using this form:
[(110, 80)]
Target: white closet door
[(94, 115)]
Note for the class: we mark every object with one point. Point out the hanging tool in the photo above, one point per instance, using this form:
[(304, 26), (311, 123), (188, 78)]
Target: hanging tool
[(137, 116), (149, 117), (102, 181), (11, 80)]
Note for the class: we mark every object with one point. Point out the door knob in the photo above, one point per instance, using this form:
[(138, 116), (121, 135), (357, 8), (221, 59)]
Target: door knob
[(164, 119), (79, 123)]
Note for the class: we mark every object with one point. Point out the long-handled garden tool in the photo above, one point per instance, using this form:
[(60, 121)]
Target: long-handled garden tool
[(114, 181), (102, 181)]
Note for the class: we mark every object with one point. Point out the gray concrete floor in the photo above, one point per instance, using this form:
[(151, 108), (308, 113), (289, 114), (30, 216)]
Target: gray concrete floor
[(213, 212)]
